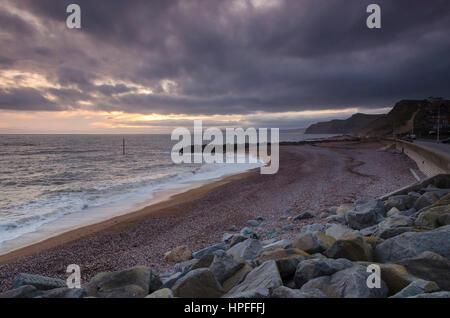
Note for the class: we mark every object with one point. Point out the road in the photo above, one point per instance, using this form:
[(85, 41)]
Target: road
[(445, 148)]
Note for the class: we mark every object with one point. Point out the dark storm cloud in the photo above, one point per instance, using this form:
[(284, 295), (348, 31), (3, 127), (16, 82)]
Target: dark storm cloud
[(25, 99), (231, 59)]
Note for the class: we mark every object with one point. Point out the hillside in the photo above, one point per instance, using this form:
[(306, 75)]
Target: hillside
[(343, 126), (417, 116)]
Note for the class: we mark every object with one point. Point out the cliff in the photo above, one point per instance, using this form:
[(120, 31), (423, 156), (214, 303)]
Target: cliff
[(343, 126)]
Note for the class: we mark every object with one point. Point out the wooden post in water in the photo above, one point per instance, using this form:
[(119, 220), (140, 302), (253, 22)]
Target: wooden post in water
[(123, 146)]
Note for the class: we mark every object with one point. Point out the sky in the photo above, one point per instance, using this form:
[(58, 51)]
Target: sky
[(151, 66)]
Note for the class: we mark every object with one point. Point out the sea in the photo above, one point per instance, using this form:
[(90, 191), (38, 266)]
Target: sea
[(82, 179)]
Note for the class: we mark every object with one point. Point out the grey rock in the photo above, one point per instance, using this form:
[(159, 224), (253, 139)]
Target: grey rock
[(323, 215), (226, 237), (431, 267), (283, 217), (289, 227), (209, 250), (312, 268), (411, 244), (259, 218), (161, 293), (312, 228), (395, 221), (237, 239), (348, 283), (408, 212), (333, 209), (198, 283), (304, 215), (129, 283), (285, 243), (339, 218), (26, 291), (391, 232), (233, 228), (285, 292), (184, 266), (339, 230), (204, 261), (369, 231), (248, 249), (254, 293), (417, 287), (38, 281), (441, 294), (246, 231), (225, 265), (315, 242), (265, 276), (401, 202), (168, 282), (425, 200), (253, 223), (366, 214), (64, 293)]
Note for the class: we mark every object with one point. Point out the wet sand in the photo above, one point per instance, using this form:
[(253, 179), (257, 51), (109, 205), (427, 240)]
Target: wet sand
[(310, 177)]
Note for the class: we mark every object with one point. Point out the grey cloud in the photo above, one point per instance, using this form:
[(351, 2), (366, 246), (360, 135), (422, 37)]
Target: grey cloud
[(25, 99), (302, 55)]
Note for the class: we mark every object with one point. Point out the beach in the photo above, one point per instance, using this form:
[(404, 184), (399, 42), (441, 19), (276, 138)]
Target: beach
[(311, 177)]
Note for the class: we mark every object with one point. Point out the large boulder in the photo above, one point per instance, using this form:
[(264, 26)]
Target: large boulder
[(178, 254), (395, 276), (417, 287), (338, 230), (400, 202), (161, 293), (237, 277), (431, 267), (352, 247), (441, 294), (317, 267), (315, 242), (286, 259), (204, 261), (343, 209), (348, 283), (394, 222), (224, 265), (312, 228), (285, 243), (236, 239), (170, 280), (185, 266), (426, 199), (265, 276), (248, 249), (411, 244), (304, 215), (366, 214), (394, 231), (209, 250), (26, 291), (251, 294), (129, 283), (64, 292), (38, 281), (286, 292), (433, 217), (199, 283)]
